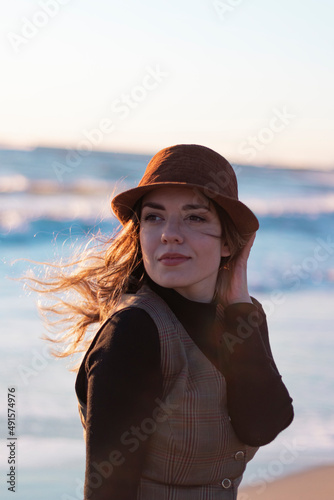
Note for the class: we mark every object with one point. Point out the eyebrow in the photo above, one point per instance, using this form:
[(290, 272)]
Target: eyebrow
[(189, 206)]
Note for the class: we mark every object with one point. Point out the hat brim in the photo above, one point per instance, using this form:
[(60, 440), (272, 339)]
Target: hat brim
[(243, 218)]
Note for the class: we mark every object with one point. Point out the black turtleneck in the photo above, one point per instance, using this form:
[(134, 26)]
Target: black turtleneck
[(120, 380)]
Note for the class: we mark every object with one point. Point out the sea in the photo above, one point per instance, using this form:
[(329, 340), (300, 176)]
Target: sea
[(52, 200)]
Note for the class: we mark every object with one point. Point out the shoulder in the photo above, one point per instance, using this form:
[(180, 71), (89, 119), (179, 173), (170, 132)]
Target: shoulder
[(127, 343), (127, 327), (258, 305), (244, 310)]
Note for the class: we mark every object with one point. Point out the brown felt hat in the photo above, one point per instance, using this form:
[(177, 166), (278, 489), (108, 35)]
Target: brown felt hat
[(197, 167)]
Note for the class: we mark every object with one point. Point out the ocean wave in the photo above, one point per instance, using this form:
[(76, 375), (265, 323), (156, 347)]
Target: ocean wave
[(14, 184), (27, 198), (308, 205), (18, 183), (18, 212)]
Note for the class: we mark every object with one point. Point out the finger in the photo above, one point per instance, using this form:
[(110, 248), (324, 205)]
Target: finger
[(249, 244), (251, 239)]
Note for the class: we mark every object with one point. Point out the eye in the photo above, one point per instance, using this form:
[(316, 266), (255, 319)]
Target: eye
[(196, 218), (151, 217)]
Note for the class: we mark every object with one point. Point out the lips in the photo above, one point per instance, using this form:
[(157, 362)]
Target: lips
[(173, 259)]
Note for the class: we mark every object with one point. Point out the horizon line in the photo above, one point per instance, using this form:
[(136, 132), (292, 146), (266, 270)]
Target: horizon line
[(278, 166)]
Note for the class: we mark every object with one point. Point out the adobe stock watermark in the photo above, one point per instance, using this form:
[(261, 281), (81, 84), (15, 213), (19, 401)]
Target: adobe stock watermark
[(31, 27), (274, 469), (244, 329), (38, 362), (120, 110), (221, 181), (224, 8), (131, 440), (280, 120), (311, 264), (297, 273)]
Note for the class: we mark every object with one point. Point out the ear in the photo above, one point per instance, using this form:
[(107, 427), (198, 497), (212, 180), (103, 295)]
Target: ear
[(225, 249)]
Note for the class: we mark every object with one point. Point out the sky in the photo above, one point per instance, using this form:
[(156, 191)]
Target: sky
[(252, 79)]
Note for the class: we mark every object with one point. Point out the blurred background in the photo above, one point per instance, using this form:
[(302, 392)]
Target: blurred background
[(89, 92)]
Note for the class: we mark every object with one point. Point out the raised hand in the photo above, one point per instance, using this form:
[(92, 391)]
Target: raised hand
[(234, 286)]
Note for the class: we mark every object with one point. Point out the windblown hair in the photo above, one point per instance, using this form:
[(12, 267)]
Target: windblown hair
[(85, 289), (93, 280)]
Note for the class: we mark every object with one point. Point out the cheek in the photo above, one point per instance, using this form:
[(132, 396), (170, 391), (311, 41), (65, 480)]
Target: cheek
[(146, 244), (208, 245), (142, 242), (211, 255)]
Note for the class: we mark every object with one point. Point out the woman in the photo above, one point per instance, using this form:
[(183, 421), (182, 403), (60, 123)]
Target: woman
[(178, 388)]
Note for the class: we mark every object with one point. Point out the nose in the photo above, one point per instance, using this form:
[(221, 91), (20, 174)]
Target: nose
[(171, 232)]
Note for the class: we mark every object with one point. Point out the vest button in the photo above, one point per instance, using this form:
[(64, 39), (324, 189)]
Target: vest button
[(239, 455), (226, 483)]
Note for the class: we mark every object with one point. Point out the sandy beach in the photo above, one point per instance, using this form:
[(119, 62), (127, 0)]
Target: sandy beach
[(313, 484)]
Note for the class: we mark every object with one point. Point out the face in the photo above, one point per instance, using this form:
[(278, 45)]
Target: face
[(181, 241)]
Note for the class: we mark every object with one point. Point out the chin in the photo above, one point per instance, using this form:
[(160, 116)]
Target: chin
[(169, 282)]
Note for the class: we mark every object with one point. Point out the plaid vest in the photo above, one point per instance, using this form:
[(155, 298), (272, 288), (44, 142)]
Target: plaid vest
[(193, 451)]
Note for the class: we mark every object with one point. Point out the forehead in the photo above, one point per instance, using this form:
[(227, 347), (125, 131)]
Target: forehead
[(178, 194)]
